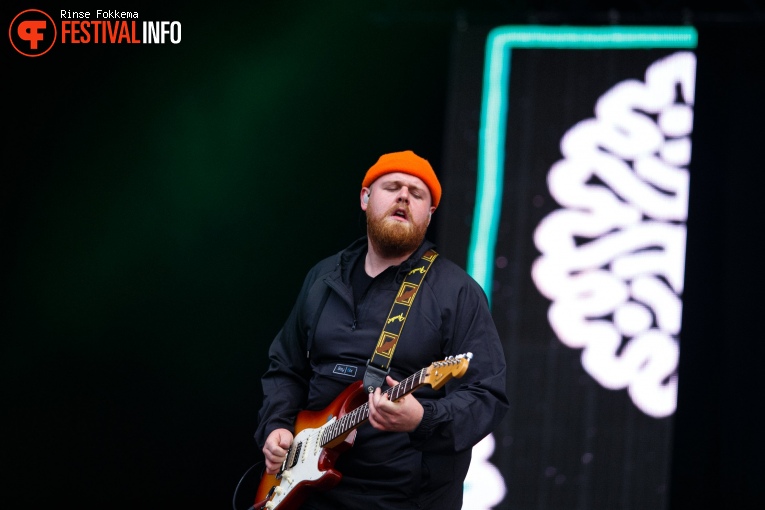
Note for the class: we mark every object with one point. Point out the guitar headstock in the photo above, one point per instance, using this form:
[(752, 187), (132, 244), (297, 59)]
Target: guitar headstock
[(439, 372)]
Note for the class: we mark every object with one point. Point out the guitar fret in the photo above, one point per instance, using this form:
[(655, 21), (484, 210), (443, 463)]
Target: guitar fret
[(345, 425), (360, 415)]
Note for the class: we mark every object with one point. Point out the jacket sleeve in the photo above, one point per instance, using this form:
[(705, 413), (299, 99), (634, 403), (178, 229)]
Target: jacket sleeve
[(285, 382), (476, 403)]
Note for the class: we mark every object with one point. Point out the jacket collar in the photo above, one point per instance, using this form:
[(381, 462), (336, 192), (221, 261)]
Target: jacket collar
[(358, 249)]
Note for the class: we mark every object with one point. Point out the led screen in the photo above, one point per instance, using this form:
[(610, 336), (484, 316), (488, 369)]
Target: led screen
[(570, 148)]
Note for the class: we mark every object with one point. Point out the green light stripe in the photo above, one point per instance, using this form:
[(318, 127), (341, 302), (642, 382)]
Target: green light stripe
[(491, 155)]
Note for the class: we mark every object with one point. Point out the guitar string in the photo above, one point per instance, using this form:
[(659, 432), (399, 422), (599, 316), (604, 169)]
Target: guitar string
[(361, 413)]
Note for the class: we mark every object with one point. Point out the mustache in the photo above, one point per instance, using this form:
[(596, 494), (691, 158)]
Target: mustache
[(391, 211), (399, 207)]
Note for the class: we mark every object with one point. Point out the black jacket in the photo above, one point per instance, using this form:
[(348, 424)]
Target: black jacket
[(449, 316)]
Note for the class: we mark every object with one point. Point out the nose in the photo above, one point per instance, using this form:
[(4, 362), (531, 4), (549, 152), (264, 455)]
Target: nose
[(403, 195)]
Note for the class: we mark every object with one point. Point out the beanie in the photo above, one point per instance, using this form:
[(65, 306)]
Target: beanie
[(409, 163)]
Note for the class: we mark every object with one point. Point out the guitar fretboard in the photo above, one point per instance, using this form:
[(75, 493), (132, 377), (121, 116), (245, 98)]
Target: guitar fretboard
[(361, 414)]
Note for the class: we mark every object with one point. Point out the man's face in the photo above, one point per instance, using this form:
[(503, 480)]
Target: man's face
[(398, 213)]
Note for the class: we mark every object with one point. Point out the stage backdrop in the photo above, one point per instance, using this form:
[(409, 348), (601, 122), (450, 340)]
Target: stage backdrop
[(567, 159)]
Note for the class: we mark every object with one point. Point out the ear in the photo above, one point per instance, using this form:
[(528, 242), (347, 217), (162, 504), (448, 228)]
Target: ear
[(364, 198), (430, 214)]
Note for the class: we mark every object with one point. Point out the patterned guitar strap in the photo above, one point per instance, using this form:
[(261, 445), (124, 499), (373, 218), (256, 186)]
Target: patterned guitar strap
[(378, 366)]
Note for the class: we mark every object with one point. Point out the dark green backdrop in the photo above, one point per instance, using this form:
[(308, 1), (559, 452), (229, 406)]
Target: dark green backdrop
[(162, 203)]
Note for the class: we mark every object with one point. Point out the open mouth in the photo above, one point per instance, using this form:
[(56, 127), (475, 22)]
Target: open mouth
[(400, 213)]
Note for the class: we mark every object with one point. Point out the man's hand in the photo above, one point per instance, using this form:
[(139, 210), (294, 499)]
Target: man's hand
[(403, 415), (275, 449)]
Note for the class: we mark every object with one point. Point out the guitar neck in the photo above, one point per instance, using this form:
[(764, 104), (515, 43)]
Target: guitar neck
[(353, 419)]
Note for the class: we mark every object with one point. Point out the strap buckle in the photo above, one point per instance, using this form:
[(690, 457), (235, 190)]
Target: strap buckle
[(374, 377)]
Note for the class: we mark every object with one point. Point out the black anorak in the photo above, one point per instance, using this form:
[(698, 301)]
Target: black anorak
[(450, 315)]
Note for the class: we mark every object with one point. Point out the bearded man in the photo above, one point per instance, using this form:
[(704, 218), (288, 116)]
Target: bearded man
[(415, 450)]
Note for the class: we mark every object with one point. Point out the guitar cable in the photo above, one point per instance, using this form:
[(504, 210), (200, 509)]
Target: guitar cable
[(238, 485)]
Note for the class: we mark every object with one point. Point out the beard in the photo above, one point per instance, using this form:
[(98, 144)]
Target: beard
[(393, 238)]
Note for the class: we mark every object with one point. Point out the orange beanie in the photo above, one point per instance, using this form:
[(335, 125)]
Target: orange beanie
[(409, 163)]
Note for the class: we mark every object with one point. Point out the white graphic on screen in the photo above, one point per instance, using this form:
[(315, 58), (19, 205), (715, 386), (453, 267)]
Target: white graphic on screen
[(484, 486), (612, 258)]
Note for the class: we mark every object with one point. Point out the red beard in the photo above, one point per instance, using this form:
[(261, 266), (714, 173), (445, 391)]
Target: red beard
[(392, 239)]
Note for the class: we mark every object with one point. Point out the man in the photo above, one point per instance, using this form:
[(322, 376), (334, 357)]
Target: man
[(415, 451)]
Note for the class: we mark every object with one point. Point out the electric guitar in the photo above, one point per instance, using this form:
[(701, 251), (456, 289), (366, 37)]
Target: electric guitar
[(321, 436)]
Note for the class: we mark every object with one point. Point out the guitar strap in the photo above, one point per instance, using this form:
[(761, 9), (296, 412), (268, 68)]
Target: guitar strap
[(378, 366)]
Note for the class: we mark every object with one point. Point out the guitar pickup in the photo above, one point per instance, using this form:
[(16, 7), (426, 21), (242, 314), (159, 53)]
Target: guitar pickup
[(294, 455)]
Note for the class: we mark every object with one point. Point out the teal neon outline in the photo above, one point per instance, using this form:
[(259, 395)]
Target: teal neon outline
[(491, 156)]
